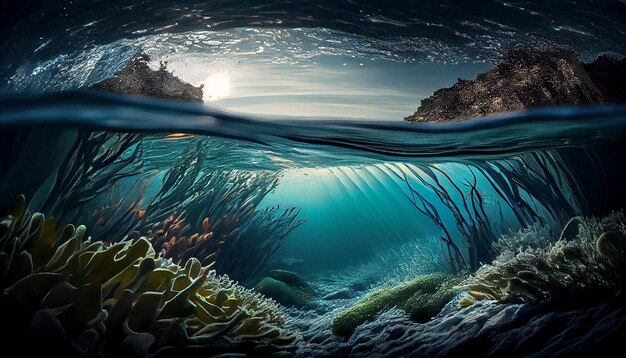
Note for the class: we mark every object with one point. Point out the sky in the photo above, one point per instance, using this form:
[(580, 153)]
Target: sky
[(329, 87)]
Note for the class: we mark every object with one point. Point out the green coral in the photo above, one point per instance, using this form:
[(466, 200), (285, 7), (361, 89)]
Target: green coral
[(63, 293), (421, 298), (586, 265)]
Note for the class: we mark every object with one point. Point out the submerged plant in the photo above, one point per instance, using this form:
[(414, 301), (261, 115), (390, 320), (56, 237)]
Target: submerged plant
[(63, 293), (586, 267), (421, 298), (210, 215), (108, 182), (517, 182)]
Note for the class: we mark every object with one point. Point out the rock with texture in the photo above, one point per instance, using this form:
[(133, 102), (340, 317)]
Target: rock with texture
[(495, 330), (137, 79), (528, 78), (287, 288)]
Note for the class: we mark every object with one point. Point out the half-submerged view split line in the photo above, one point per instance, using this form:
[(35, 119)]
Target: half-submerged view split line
[(229, 179)]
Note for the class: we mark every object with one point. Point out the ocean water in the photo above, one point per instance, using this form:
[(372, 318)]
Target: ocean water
[(298, 170), (353, 184)]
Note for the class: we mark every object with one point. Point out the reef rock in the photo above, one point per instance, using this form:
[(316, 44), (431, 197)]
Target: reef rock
[(344, 294), (495, 330), (528, 78), (137, 79), (287, 288)]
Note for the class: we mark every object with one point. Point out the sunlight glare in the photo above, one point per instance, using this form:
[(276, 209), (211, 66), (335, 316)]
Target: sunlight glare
[(216, 86)]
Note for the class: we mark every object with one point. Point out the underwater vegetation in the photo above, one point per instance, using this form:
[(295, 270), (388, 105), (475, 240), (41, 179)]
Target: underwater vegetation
[(586, 264), (421, 299), (213, 225), (519, 182), (65, 294), (104, 181), (583, 313)]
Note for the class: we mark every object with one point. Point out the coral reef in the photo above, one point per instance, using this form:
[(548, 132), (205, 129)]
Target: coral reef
[(582, 268), (526, 78), (533, 237), (287, 288), (137, 79), (421, 298), (66, 294)]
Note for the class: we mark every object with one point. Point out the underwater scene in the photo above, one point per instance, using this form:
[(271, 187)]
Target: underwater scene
[(313, 178)]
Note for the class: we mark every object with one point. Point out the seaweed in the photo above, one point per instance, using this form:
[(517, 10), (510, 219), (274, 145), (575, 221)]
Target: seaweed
[(421, 298), (213, 215), (102, 180), (517, 181)]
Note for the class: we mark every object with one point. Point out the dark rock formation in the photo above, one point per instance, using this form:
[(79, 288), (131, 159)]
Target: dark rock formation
[(485, 329), (344, 294), (136, 78), (287, 288), (528, 78), (609, 76), (495, 330)]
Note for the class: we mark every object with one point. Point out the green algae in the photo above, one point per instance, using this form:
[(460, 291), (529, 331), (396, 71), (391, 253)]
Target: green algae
[(421, 298)]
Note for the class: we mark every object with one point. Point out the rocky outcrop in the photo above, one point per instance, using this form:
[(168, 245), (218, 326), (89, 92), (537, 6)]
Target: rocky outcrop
[(287, 288), (136, 78), (485, 329), (495, 330), (528, 78)]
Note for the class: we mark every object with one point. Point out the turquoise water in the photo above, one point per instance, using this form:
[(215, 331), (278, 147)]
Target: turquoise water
[(324, 195)]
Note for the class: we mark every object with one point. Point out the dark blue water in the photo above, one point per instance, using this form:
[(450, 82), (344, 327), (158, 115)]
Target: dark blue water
[(305, 142)]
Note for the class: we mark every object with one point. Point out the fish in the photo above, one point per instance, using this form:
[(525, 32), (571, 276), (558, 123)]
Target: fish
[(290, 261), (176, 136)]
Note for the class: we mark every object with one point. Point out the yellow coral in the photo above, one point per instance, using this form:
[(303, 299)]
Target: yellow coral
[(466, 302), (584, 265), (123, 294)]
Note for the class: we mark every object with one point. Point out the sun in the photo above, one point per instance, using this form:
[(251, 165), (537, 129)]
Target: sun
[(216, 86)]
